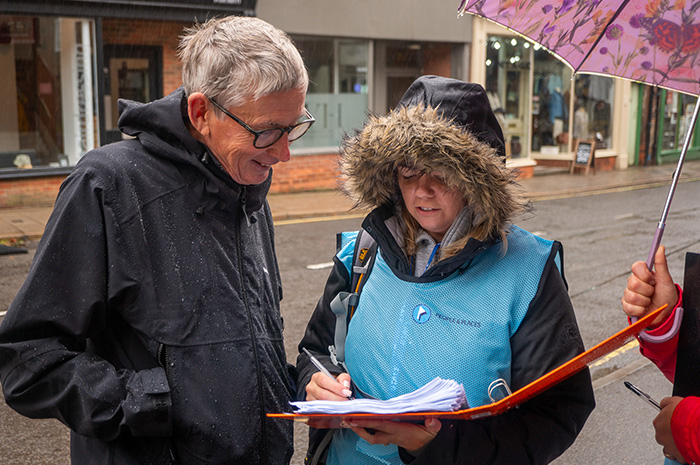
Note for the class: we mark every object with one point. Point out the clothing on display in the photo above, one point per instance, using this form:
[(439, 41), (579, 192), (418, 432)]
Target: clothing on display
[(581, 123)]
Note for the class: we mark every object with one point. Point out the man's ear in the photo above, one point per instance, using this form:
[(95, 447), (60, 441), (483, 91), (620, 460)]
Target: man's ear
[(199, 112)]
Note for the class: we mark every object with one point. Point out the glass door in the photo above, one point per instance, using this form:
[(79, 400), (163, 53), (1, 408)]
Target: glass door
[(132, 72)]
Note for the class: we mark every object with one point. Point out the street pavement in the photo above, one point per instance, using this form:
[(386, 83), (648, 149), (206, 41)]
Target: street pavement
[(548, 183)]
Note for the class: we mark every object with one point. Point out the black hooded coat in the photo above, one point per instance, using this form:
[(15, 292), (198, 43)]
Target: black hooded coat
[(459, 137), (149, 323)]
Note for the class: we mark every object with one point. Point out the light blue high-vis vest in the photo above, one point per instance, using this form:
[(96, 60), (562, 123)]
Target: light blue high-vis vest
[(404, 333)]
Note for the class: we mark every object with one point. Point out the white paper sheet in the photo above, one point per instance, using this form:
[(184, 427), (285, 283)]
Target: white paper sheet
[(439, 395)]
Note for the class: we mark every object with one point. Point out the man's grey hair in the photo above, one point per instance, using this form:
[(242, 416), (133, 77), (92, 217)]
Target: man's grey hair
[(236, 59)]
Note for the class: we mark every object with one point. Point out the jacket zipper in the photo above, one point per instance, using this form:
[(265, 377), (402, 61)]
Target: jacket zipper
[(164, 359), (256, 355)]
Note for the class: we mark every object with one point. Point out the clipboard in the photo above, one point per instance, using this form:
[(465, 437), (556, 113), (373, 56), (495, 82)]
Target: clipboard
[(576, 364)]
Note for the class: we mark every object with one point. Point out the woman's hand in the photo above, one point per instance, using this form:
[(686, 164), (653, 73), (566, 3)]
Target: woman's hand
[(410, 436), (321, 387), (646, 290), (662, 425)]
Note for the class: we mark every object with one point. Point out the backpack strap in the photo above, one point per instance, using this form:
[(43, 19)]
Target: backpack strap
[(363, 261), (321, 453), (344, 304)]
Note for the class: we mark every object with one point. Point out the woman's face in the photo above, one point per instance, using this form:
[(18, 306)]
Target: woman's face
[(429, 201)]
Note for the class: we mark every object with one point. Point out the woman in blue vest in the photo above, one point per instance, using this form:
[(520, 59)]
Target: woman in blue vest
[(456, 291)]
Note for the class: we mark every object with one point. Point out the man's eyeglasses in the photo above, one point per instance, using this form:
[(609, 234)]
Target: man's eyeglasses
[(267, 137)]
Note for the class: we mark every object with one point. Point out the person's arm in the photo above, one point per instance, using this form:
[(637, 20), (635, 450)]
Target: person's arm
[(660, 344), (544, 427), (45, 369), (319, 334), (685, 426), (645, 292)]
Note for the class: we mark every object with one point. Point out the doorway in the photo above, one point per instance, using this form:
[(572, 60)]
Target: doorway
[(131, 72)]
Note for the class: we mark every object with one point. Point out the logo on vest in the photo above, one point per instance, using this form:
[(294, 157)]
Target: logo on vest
[(421, 314)]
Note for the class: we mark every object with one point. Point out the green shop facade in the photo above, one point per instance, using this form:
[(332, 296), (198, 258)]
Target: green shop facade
[(663, 122)]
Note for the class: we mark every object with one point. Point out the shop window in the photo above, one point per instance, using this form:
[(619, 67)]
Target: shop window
[(338, 93), (557, 121), (48, 117), (550, 104), (507, 86), (593, 109)]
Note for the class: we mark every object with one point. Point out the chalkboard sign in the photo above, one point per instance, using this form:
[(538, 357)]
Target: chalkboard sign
[(584, 155)]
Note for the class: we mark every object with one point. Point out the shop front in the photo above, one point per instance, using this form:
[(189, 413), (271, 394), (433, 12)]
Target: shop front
[(351, 77), (64, 65), (675, 110), (543, 108)]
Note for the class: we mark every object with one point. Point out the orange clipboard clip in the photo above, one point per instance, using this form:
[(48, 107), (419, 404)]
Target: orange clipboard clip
[(576, 364)]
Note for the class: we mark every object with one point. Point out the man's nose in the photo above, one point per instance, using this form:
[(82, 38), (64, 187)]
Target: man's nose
[(280, 149)]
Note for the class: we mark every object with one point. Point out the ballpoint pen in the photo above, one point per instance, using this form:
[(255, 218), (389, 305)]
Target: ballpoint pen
[(646, 397), (321, 368)]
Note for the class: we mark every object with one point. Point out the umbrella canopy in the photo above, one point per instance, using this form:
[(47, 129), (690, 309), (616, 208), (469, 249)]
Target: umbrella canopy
[(655, 42)]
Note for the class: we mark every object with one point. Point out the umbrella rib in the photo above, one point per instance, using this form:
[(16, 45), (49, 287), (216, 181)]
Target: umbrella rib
[(600, 36)]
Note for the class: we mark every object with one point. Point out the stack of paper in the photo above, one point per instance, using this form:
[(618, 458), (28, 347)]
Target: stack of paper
[(439, 395)]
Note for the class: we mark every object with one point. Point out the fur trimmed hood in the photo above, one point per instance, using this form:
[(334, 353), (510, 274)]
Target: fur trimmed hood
[(429, 138)]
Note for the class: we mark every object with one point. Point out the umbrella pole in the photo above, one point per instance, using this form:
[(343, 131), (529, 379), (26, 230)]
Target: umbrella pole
[(662, 222)]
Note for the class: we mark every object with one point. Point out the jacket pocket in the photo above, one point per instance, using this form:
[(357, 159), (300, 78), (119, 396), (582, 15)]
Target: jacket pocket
[(219, 405)]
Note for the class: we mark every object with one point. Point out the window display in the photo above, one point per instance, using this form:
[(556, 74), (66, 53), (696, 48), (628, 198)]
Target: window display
[(48, 96), (551, 93), (595, 95), (507, 86)]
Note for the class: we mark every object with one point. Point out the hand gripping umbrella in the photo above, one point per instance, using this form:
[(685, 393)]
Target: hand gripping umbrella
[(654, 42)]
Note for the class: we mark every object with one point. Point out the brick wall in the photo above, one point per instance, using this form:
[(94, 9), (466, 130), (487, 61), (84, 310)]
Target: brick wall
[(306, 173), (29, 192), (301, 173), (164, 34)]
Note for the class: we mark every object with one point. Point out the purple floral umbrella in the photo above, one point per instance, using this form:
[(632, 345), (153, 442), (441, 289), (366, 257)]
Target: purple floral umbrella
[(654, 42)]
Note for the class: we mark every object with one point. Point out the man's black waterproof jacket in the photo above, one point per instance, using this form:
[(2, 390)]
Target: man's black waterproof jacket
[(150, 322)]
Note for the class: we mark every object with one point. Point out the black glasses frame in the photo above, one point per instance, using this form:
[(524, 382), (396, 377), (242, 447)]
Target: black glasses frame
[(279, 131)]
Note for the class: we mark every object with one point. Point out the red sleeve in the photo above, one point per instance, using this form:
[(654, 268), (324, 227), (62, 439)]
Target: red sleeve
[(663, 354), (685, 427)]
